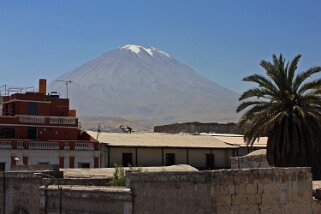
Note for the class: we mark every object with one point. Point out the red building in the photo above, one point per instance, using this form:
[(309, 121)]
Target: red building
[(40, 128)]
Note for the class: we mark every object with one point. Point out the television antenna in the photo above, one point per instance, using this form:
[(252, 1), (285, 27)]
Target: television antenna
[(98, 131), (67, 82)]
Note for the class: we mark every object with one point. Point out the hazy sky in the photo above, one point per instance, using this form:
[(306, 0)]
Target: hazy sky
[(223, 40)]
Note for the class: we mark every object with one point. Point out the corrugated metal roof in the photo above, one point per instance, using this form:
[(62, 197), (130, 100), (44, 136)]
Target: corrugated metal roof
[(160, 140)]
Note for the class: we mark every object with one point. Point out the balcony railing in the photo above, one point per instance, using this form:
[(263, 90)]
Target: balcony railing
[(34, 119), (31, 119), (84, 146), (20, 145), (66, 146), (5, 145), (44, 145), (65, 121)]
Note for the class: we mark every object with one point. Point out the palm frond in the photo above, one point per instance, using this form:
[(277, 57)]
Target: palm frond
[(300, 78), (262, 81), (312, 85), (292, 69), (246, 104), (256, 93)]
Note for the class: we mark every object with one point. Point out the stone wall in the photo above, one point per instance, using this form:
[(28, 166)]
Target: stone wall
[(196, 127), (265, 190), (2, 183), (269, 190), (249, 161), (316, 206), (19, 192), (81, 199)]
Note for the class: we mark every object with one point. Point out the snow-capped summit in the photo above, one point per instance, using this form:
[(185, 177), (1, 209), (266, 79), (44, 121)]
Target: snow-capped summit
[(137, 82), (137, 49)]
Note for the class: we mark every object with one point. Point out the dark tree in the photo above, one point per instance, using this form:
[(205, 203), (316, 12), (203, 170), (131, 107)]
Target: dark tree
[(285, 107)]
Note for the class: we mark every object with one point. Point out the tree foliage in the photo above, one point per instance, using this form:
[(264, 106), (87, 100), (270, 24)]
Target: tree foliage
[(285, 107)]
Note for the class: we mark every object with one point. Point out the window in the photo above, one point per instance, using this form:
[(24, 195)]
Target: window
[(210, 161), (2, 167), (127, 159), (84, 165), (7, 133), (32, 133), (33, 108), (170, 159)]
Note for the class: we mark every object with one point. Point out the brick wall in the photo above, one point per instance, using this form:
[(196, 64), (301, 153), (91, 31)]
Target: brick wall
[(269, 190)]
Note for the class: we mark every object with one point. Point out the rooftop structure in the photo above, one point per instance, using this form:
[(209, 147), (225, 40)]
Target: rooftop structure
[(37, 121), (161, 149)]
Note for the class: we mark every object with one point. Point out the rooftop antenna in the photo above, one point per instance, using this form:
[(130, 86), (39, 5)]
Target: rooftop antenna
[(98, 131), (5, 90), (67, 82)]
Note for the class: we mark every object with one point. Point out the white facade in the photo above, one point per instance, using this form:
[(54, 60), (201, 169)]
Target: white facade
[(37, 157)]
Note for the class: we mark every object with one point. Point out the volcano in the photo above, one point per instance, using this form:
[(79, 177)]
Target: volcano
[(134, 82)]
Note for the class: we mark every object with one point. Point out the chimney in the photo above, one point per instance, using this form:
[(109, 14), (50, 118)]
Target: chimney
[(72, 113), (42, 86)]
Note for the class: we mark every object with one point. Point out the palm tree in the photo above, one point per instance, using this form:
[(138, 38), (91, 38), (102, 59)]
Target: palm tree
[(285, 107)]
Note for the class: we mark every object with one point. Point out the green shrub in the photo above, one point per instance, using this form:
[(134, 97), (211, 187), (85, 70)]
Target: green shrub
[(118, 177)]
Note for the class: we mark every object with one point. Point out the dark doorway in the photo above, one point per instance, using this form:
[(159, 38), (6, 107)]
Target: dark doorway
[(127, 159), (210, 161), (2, 167), (170, 159), (32, 133)]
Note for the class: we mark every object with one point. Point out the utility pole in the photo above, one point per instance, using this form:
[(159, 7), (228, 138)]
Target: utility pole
[(67, 82)]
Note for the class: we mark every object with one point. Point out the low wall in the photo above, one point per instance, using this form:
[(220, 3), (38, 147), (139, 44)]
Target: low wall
[(249, 161), (269, 190), (264, 190), (85, 199), (19, 192)]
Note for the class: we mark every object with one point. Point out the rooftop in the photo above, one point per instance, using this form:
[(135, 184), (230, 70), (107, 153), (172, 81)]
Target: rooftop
[(239, 140), (108, 172), (160, 140)]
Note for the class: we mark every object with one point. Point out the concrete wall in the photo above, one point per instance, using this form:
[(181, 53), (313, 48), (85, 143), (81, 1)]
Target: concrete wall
[(80, 199), (271, 190)]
